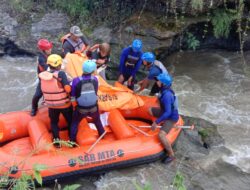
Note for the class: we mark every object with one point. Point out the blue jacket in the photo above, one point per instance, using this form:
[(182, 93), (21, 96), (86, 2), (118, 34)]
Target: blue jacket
[(167, 100), (123, 59), (156, 68)]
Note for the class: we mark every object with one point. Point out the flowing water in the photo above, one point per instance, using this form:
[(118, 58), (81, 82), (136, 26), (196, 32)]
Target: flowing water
[(213, 85)]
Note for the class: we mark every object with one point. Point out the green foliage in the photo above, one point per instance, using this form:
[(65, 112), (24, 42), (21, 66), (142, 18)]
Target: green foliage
[(203, 133), (197, 4), (71, 187), (25, 182), (179, 181), (192, 42), (37, 168), (222, 20), (4, 181), (146, 187), (22, 6), (74, 8)]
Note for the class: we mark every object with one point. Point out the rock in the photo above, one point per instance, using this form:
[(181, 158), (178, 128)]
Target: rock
[(22, 30), (101, 34), (53, 23), (190, 144)]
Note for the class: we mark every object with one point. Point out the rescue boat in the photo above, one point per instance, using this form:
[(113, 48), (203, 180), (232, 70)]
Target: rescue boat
[(27, 141)]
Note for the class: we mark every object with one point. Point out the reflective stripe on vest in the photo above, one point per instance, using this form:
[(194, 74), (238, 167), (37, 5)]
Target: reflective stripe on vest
[(132, 60), (53, 91)]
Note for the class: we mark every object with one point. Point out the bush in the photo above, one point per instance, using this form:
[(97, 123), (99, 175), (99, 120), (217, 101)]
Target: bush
[(222, 20)]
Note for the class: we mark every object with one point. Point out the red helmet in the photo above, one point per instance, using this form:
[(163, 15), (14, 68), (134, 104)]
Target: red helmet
[(44, 44)]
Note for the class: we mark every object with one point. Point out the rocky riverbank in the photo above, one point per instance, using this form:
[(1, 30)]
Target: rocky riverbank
[(155, 22)]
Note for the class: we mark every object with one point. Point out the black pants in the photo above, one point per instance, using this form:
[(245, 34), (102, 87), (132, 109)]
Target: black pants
[(77, 117), (54, 119), (126, 77), (154, 89), (37, 96)]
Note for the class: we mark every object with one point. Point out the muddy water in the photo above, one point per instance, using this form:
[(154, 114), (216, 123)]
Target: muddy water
[(211, 85)]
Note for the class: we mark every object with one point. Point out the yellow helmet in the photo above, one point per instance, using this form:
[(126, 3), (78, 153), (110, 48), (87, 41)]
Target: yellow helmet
[(54, 60)]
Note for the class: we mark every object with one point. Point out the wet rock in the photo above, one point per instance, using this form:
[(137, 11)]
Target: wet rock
[(101, 34), (194, 144), (19, 32)]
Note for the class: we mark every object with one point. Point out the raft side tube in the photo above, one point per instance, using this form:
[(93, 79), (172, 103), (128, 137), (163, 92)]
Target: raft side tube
[(40, 137), (119, 125), (13, 125)]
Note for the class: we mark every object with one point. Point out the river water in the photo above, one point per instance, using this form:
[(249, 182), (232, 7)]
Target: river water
[(213, 85)]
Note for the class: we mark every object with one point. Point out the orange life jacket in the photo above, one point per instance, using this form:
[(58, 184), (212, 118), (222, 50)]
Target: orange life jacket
[(78, 46), (53, 91)]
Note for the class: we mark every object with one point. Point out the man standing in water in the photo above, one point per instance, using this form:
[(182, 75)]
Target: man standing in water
[(45, 48), (167, 113)]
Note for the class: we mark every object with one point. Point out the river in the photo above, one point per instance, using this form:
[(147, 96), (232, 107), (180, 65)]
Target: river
[(213, 85)]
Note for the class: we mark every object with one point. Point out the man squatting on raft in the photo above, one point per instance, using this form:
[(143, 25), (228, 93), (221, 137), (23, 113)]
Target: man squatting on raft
[(167, 113)]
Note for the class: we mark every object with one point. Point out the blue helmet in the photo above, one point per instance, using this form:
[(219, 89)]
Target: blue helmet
[(137, 45), (89, 66), (148, 57), (166, 79)]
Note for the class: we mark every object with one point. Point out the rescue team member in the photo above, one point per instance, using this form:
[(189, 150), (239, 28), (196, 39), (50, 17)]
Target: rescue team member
[(84, 96), (130, 63), (155, 68), (100, 53), (74, 41), (167, 113), (45, 48), (56, 91)]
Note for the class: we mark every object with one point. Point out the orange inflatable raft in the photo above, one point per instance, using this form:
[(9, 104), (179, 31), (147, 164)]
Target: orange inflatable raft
[(27, 141)]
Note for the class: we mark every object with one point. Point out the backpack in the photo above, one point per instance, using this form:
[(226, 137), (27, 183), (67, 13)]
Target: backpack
[(88, 98)]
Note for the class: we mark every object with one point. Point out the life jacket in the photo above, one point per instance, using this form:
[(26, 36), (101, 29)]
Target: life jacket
[(160, 66), (88, 98), (131, 59), (174, 105), (53, 91), (78, 46)]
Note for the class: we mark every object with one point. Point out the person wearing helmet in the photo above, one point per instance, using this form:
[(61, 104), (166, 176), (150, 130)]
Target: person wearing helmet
[(45, 48), (130, 62), (100, 53), (84, 98), (167, 113), (56, 92), (155, 68), (75, 41)]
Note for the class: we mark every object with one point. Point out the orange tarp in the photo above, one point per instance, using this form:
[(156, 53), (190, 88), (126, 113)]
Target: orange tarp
[(73, 64), (110, 97)]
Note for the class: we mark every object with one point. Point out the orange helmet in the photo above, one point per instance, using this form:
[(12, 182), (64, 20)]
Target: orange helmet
[(44, 44)]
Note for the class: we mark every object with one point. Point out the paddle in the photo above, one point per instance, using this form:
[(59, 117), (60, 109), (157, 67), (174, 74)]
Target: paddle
[(191, 127), (95, 143)]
